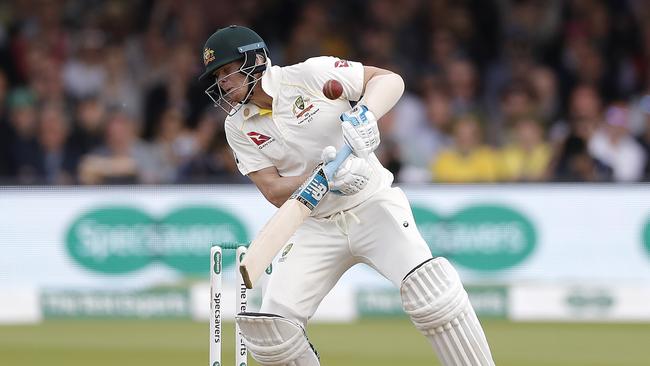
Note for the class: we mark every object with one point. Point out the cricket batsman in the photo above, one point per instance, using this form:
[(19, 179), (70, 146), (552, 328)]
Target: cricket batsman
[(281, 126)]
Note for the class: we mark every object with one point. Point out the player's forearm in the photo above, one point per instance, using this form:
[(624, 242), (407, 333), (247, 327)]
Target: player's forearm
[(382, 93), (281, 189)]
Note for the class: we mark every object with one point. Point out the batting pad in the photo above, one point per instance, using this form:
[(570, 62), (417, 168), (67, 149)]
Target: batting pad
[(274, 340), (434, 298)]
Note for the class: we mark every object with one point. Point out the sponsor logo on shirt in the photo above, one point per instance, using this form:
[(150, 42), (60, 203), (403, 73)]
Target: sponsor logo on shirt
[(303, 109), (341, 63), (259, 139)]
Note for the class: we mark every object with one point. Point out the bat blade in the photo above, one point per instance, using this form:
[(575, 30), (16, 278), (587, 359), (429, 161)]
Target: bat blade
[(273, 236)]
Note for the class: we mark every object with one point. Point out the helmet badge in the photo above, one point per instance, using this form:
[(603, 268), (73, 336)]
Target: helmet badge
[(208, 56)]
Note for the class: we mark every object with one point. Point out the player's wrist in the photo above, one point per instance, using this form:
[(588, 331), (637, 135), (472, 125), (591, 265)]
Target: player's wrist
[(360, 130)]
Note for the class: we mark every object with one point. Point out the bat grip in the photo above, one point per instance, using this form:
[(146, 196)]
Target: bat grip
[(331, 167)]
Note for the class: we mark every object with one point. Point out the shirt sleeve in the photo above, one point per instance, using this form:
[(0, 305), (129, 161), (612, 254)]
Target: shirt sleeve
[(317, 70), (247, 156)]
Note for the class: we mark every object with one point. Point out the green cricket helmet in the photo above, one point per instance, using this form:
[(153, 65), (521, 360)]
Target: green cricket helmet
[(225, 46)]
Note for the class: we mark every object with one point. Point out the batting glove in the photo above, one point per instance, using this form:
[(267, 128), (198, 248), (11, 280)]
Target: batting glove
[(351, 177), (360, 130)]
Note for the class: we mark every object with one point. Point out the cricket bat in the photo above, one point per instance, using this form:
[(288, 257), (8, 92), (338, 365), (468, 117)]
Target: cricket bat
[(284, 223)]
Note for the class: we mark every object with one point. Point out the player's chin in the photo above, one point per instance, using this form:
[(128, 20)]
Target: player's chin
[(235, 96)]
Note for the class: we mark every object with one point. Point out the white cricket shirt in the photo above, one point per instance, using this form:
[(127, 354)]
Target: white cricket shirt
[(303, 122)]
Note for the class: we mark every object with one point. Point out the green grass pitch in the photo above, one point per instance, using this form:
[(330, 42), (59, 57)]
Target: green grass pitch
[(368, 342)]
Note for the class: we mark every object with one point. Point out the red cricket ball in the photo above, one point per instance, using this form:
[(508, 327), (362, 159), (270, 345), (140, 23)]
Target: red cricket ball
[(332, 89)]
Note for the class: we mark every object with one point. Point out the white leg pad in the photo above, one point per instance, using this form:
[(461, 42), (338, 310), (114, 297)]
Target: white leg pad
[(434, 298), (274, 340)]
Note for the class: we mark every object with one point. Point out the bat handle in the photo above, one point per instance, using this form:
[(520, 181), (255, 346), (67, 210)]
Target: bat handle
[(331, 167)]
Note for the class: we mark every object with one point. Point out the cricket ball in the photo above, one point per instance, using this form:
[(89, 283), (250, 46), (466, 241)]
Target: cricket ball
[(332, 89)]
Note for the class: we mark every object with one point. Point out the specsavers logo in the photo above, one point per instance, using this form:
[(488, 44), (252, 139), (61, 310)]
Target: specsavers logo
[(485, 237), (584, 299), (122, 239)]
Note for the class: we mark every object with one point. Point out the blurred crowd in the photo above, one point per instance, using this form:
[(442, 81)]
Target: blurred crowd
[(106, 91)]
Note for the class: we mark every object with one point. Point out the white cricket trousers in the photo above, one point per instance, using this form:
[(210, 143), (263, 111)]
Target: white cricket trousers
[(380, 232)]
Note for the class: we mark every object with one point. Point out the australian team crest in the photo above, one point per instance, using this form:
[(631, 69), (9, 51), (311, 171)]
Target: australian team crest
[(303, 109), (208, 56), (299, 105)]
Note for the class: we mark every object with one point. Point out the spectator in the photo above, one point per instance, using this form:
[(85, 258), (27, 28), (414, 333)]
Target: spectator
[(418, 132), (463, 86), (310, 35), (439, 114), (513, 67), (212, 160), (527, 156), (430, 139), (443, 49), (146, 56), (644, 137), (179, 90), (467, 160), (615, 147), (378, 46), (123, 159), (5, 131), (58, 159), (90, 116), (584, 105), (571, 159), (388, 151), (84, 74), (210, 124), (517, 102), (538, 21), (45, 77), (23, 147), (173, 142), (544, 86), (583, 63), (47, 29), (4, 91), (216, 164), (119, 87)]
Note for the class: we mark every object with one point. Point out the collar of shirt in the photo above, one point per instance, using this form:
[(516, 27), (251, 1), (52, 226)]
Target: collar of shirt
[(270, 82), (271, 79), (251, 110)]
